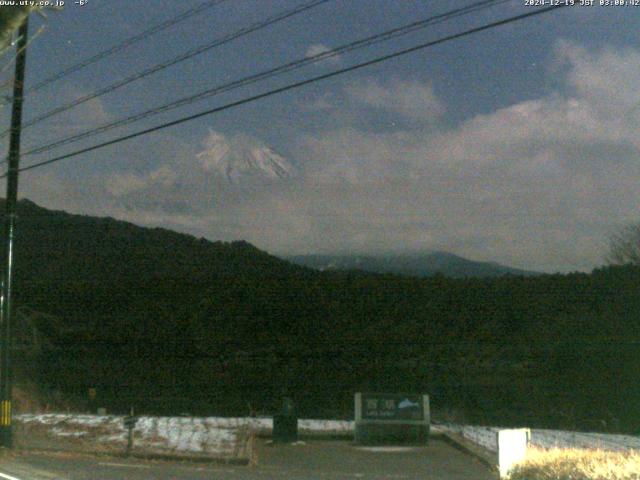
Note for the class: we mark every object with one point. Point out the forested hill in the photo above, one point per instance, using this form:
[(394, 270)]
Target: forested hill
[(171, 324), (95, 271), (116, 290), (54, 245)]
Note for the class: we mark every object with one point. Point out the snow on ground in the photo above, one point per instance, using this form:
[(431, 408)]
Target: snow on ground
[(388, 449), (326, 426), (56, 418), (210, 436), (154, 435)]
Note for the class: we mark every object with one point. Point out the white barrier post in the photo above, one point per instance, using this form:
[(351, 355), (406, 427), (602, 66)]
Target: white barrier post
[(512, 448)]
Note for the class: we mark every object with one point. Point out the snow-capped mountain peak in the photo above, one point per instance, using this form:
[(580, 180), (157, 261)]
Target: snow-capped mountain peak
[(239, 157)]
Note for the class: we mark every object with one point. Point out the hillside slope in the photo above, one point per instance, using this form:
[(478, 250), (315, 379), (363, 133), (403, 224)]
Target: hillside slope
[(169, 324)]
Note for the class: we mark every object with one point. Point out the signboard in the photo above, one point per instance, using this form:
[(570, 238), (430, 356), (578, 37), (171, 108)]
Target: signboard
[(392, 407), (392, 418)]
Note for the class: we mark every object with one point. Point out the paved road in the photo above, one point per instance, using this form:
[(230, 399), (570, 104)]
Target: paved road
[(304, 461)]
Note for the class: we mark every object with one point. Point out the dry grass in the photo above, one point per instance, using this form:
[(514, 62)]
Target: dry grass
[(245, 446), (40, 437), (570, 464)]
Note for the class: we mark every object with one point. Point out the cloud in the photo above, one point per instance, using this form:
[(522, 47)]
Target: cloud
[(537, 184), (356, 156), (319, 49), (124, 183), (413, 100), (608, 78), (322, 103), (85, 116)]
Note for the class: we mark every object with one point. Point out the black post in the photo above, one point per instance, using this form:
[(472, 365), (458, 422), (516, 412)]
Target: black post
[(6, 438), (130, 423)]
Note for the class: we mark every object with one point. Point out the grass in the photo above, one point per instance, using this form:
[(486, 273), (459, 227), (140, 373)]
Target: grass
[(573, 464), (245, 446)]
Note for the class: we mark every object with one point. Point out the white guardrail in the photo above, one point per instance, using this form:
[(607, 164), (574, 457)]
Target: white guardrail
[(487, 438)]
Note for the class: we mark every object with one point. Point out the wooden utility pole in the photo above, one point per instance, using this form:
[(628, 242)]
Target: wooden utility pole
[(6, 429)]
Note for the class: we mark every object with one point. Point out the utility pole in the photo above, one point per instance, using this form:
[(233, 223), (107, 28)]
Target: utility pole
[(6, 437)]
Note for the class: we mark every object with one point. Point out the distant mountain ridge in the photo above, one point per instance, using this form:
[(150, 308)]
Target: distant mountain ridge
[(415, 265)]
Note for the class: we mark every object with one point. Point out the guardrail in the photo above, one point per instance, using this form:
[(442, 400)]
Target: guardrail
[(486, 437)]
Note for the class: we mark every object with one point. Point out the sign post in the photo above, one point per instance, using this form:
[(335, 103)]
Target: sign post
[(130, 423), (92, 404), (285, 424)]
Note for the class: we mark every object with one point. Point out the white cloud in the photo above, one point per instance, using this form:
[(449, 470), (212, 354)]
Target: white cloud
[(608, 78), (215, 146), (323, 103), (537, 184), (124, 183), (319, 49), (85, 116), (413, 100), (356, 156)]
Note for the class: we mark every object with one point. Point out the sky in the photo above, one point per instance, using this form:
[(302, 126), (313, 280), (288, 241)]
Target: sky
[(515, 145)]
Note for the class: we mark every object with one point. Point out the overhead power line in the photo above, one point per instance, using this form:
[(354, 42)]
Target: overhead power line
[(180, 58), (123, 45), (295, 85), (294, 65)]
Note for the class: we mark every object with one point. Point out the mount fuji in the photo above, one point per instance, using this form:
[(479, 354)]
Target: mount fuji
[(239, 158)]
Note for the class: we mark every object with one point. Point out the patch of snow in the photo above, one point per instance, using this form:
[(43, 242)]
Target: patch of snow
[(185, 434), (65, 433), (56, 418), (387, 449), (117, 438), (326, 425), (237, 157)]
